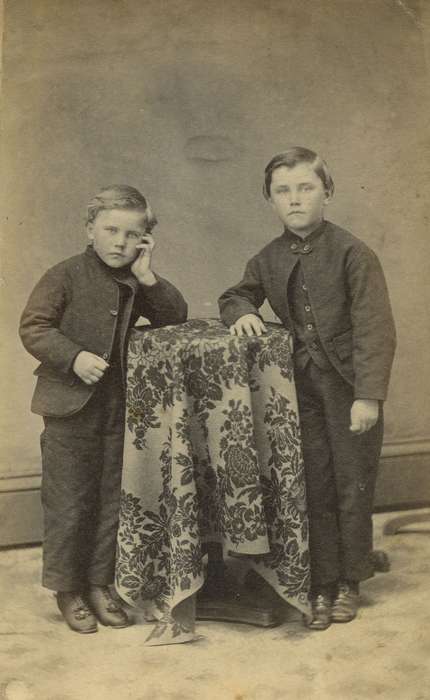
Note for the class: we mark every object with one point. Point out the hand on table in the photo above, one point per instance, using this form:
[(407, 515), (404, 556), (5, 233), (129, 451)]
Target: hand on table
[(89, 367), (364, 414), (249, 324)]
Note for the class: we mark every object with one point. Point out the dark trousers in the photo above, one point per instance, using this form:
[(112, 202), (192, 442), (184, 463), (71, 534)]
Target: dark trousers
[(81, 482), (340, 470)]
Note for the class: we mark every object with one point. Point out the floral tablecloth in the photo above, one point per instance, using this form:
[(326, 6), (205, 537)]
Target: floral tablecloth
[(212, 453)]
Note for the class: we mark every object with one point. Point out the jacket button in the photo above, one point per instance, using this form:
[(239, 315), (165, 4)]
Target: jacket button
[(310, 326), (307, 307), (113, 312), (105, 356), (293, 246), (306, 247), (304, 287)]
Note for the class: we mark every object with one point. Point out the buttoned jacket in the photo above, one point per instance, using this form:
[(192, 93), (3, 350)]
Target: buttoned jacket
[(75, 307), (347, 293)]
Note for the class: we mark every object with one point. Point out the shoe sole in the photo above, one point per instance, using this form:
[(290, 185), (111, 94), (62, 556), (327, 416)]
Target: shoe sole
[(317, 628), (91, 631), (116, 627), (346, 619)]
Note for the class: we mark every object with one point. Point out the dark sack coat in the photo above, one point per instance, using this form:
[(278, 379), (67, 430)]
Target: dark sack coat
[(75, 307), (349, 299)]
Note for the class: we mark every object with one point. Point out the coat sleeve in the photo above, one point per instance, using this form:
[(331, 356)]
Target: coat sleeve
[(245, 297), (162, 304), (373, 330), (39, 326)]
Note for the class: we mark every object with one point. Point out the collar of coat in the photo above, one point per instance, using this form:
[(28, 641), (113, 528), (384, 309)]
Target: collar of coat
[(310, 238), (123, 275)]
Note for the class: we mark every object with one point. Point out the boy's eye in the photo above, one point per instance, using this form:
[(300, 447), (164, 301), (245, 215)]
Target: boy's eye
[(307, 188), (133, 234)]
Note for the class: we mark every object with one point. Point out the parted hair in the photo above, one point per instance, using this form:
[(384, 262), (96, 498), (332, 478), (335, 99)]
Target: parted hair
[(293, 156), (121, 197)]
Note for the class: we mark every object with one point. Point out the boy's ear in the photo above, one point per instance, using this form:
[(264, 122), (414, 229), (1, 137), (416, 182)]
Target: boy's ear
[(90, 232)]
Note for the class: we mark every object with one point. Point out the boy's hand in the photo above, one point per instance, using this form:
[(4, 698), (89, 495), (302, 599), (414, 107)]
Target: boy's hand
[(364, 414), (249, 324), (141, 267), (89, 367)]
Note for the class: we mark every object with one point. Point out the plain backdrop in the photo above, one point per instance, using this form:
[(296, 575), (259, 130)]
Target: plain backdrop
[(187, 100)]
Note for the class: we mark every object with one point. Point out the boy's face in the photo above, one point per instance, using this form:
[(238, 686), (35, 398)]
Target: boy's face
[(115, 233), (298, 196)]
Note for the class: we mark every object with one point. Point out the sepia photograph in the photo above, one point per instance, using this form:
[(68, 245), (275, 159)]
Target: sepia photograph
[(214, 354)]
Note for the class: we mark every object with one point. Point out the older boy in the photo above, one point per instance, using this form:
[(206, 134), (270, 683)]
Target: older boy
[(76, 324), (329, 288)]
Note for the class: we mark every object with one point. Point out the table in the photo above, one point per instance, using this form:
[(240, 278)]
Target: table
[(212, 453)]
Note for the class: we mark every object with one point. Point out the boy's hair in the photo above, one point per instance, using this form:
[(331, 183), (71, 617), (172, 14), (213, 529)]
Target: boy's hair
[(293, 156), (121, 197)]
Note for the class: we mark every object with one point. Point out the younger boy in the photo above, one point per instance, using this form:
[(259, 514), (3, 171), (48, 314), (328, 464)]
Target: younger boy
[(328, 287), (76, 324)]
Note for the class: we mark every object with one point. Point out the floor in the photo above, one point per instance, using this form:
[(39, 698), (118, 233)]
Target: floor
[(383, 654)]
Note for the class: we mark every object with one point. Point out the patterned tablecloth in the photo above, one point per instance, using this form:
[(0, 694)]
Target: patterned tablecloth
[(212, 453)]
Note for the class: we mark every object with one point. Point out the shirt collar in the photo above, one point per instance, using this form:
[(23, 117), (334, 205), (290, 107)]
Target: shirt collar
[(310, 238), (120, 274)]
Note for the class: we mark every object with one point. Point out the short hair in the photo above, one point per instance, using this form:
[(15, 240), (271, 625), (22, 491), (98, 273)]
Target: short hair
[(121, 197), (293, 156)]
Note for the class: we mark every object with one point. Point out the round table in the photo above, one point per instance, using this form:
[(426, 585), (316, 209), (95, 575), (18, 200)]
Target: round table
[(212, 453)]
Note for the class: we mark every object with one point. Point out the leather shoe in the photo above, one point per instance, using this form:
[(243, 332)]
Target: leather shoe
[(108, 611), (321, 613), (74, 608), (345, 605)]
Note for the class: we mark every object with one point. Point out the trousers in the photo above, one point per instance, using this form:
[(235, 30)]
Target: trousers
[(340, 470), (81, 483)]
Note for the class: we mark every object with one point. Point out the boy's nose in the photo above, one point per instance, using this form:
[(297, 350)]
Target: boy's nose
[(120, 240)]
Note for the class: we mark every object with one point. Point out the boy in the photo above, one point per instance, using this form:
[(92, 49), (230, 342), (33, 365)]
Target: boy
[(328, 287), (76, 324)]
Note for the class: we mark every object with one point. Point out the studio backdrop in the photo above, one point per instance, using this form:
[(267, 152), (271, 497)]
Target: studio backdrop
[(187, 100)]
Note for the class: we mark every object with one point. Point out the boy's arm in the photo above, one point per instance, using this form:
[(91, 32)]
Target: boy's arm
[(244, 298), (374, 335), (39, 325), (161, 303)]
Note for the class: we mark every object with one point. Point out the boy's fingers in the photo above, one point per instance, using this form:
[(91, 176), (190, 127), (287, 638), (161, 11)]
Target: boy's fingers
[(147, 243), (255, 328), (260, 327), (249, 328), (362, 426), (100, 363), (98, 373)]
